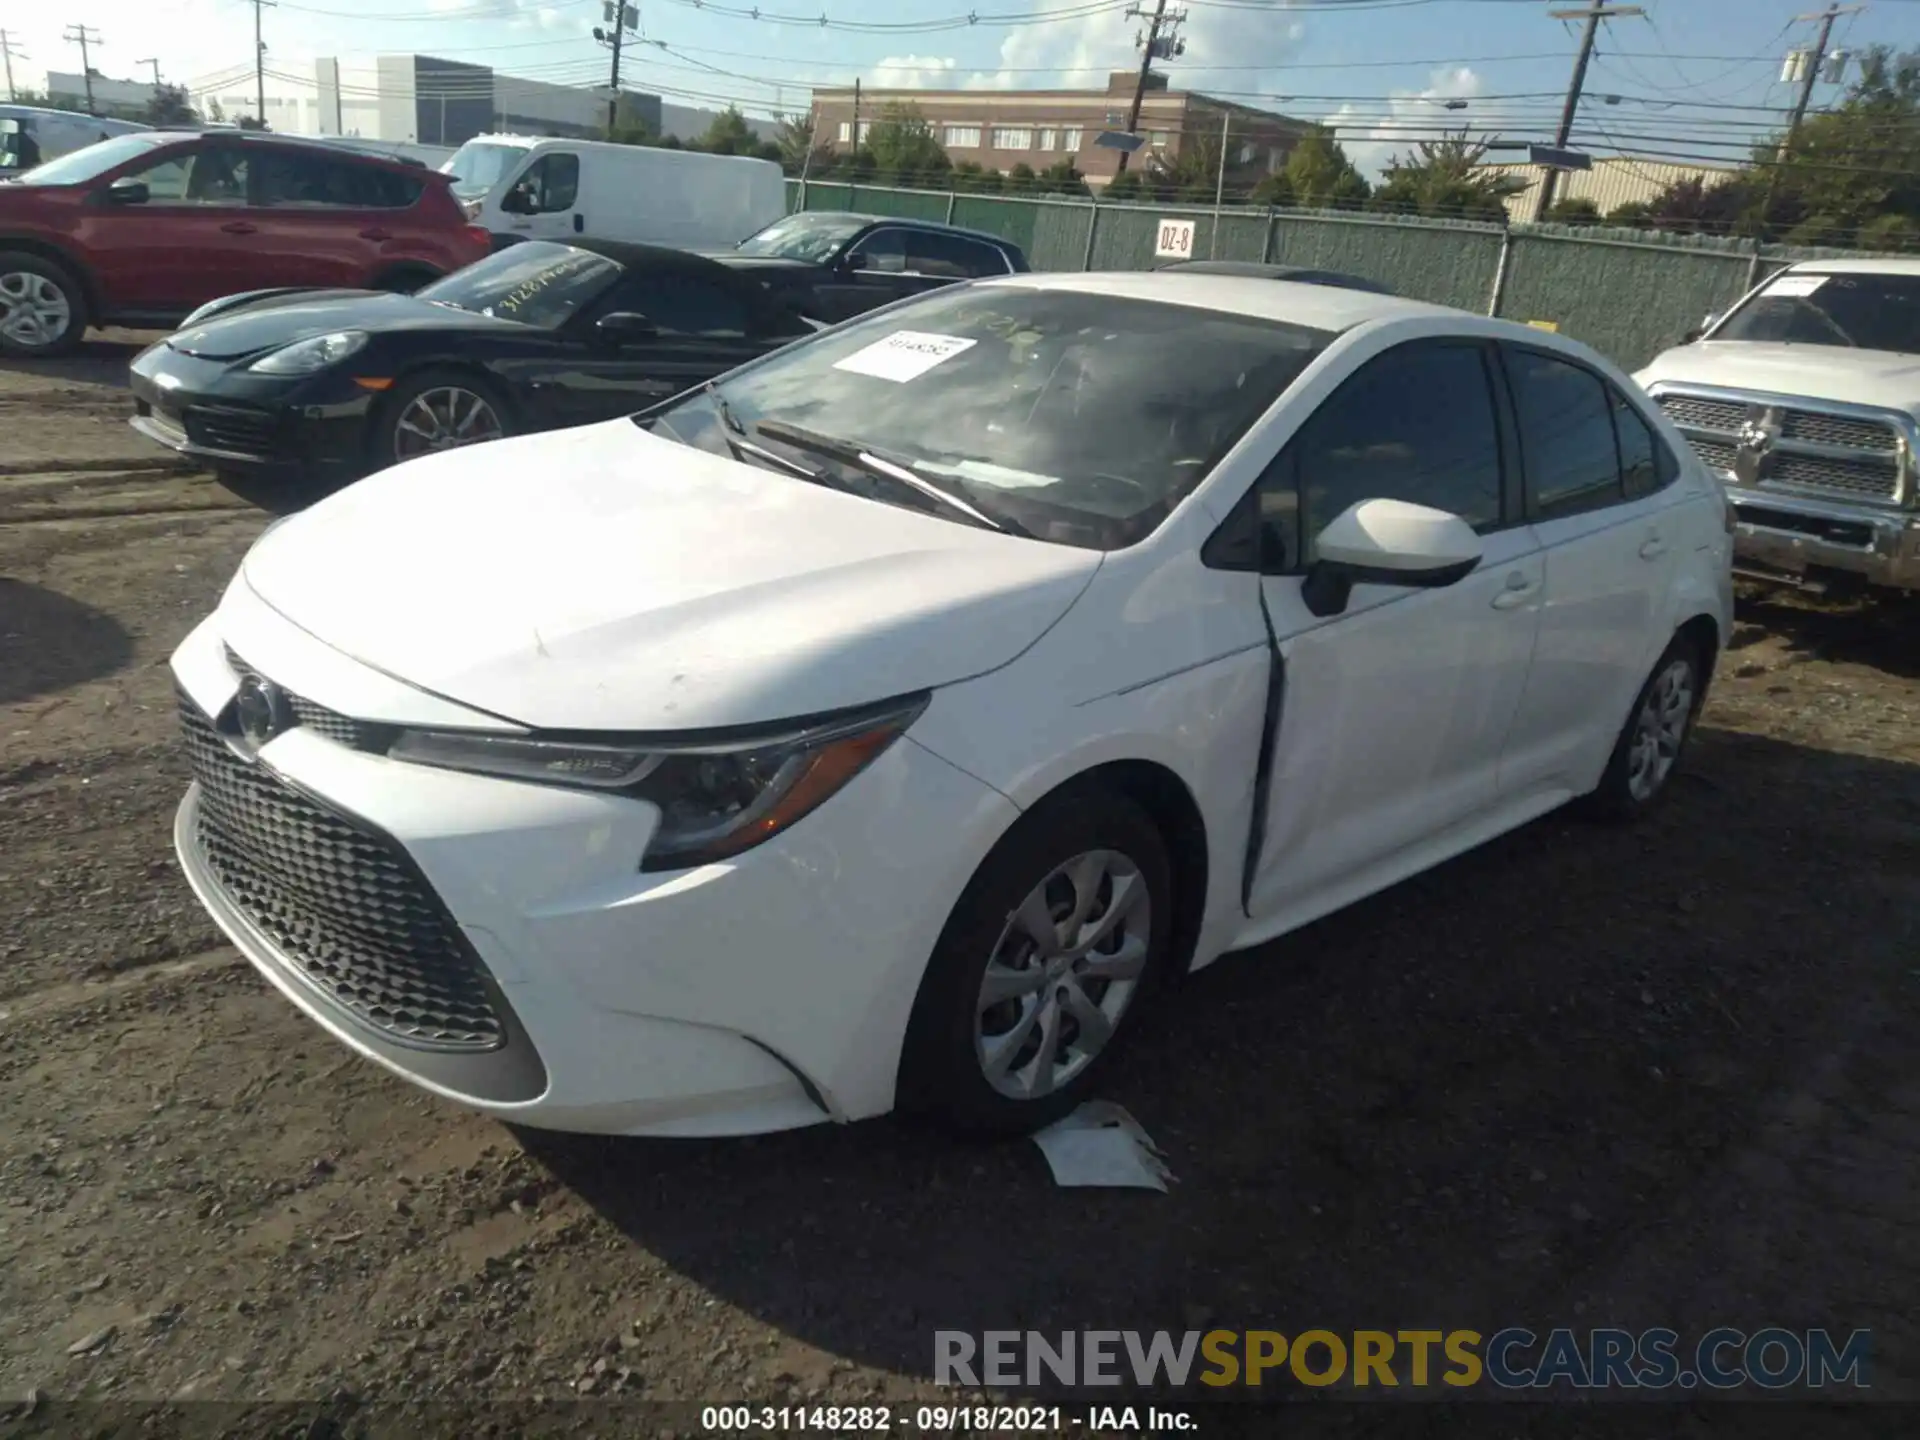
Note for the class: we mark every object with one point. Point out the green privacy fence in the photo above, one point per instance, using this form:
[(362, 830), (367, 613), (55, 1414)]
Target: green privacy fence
[(1629, 294)]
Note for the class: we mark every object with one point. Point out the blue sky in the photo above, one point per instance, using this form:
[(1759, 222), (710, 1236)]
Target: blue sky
[(1375, 67)]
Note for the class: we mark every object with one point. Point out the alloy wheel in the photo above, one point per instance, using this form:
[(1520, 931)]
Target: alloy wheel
[(1659, 729), (1062, 973), (34, 312), (444, 418)]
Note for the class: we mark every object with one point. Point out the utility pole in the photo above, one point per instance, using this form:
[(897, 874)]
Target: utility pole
[(855, 131), (10, 52), (1814, 61), (613, 84), (1593, 15), (82, 36), (260, 63), (1149, 51)]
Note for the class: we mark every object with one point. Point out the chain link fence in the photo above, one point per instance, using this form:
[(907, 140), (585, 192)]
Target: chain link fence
[(1629, 294)]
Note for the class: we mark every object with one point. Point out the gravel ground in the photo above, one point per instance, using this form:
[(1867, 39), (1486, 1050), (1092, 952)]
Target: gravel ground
[(1660, 1075)]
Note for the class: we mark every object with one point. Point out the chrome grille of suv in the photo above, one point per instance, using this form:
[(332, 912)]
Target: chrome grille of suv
[(1816, 452), (343, 903)]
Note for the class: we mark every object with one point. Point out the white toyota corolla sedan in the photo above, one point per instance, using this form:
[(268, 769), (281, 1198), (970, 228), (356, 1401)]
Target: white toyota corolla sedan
[(881, 724)]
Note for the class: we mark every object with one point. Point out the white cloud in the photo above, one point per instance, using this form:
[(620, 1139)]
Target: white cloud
[(1080, 53), (1374, 134), (914, 72)]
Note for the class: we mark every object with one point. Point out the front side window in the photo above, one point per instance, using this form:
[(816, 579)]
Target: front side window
[(1567, 444), (552, 183), (532, 283), (1415, 424), (1845, 310), (214, 175), (883, 250), (1082, 418), (683, 305)]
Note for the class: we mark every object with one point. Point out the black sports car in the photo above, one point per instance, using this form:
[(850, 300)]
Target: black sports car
[(1299, 274), (833, 266), (305, 390)]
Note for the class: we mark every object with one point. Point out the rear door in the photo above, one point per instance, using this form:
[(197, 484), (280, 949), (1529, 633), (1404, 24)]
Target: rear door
[(1600, 496), (326, 220), (704, 327), (188, 243)]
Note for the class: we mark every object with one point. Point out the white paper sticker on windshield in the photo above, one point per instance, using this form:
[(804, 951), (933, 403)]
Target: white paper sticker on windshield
[(1791, 285), (904, 355)]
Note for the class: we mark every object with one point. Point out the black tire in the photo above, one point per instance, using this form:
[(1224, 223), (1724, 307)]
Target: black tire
[(1622, 793), (38, 272), (943, 1070), (384, 427)]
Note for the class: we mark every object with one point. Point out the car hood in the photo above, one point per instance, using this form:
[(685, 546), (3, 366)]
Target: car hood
[(605, 579), (278, 320), (1819, 372)]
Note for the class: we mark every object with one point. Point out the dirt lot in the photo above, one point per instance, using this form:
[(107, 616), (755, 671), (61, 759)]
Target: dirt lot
[(1584, 1077)]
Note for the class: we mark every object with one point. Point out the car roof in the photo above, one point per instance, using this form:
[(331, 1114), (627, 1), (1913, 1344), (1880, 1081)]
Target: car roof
[(1321, 307), (319, 144), (911, 223), (1857, 267)]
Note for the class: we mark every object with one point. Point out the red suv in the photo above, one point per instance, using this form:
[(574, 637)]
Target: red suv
[(142, 229)]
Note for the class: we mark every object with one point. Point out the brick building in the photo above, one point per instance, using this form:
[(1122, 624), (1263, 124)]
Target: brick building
[(998, 129)]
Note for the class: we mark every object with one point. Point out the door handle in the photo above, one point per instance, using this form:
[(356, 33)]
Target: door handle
[(1653, 549), (579, 224), (240, 227), (376, 233), (1518, 588)]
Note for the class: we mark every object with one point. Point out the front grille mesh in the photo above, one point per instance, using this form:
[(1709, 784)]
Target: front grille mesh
[(247, 432), (344, 905)]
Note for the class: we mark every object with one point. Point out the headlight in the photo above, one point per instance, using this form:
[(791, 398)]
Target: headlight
[(303, 357), (716, 798)]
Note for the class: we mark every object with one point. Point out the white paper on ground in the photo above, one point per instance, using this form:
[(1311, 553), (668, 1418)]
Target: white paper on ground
[(1101, 1144), (1794, 285), (904, 355)]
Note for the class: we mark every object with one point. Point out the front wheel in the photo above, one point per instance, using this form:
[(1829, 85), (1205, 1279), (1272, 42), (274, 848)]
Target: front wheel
[(438, 410), (43, 311), (1042, 967), (1649, 747)]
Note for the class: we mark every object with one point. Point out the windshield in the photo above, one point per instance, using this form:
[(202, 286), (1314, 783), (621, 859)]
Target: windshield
[(478, 166), (803, 237), (1857, 311), (79, 166), (532, 283), (1078, 418)]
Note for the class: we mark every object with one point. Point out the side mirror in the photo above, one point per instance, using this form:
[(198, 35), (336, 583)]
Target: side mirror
[(128, 191), (856, 262), (1387, 542), (625, 326), (517, 202), (1706, 324)]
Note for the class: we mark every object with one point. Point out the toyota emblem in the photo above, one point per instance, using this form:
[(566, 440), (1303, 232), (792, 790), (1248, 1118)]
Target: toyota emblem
[(262, 709)]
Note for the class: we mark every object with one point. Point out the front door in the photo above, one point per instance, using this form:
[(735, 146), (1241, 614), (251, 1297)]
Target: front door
[(1395, 712), (1598, 486), (552, 211), (190, 240), (874, 271)]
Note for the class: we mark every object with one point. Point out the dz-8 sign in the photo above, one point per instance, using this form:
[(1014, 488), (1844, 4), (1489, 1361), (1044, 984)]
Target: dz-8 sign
[(1174, 240)]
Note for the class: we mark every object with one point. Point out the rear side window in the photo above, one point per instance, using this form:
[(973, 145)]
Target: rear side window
[(952, 257), (293, 180), (1646, 464), (1567, 443), (1415, 424)]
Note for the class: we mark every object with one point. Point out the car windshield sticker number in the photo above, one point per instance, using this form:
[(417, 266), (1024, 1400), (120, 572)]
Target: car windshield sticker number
[(904, 355), (1174, 240), (1795, 286)]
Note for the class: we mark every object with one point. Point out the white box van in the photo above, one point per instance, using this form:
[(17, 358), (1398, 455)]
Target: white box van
[(526, 189)]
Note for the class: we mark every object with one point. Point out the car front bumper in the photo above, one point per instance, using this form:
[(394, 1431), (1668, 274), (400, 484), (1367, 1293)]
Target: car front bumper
[(768, 991), (307, 429), (1794, 536)]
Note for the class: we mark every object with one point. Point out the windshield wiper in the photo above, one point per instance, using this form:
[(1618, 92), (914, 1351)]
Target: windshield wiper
[(742, 447), (849, 452)]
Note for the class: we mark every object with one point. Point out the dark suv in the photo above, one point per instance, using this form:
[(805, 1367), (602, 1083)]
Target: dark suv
[(140, 230), (831, 266)]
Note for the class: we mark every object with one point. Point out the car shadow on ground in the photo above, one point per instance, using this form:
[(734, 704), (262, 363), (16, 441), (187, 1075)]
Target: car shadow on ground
[(1883, 633), (49, 643), (1455, 1104), (101, 359)]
